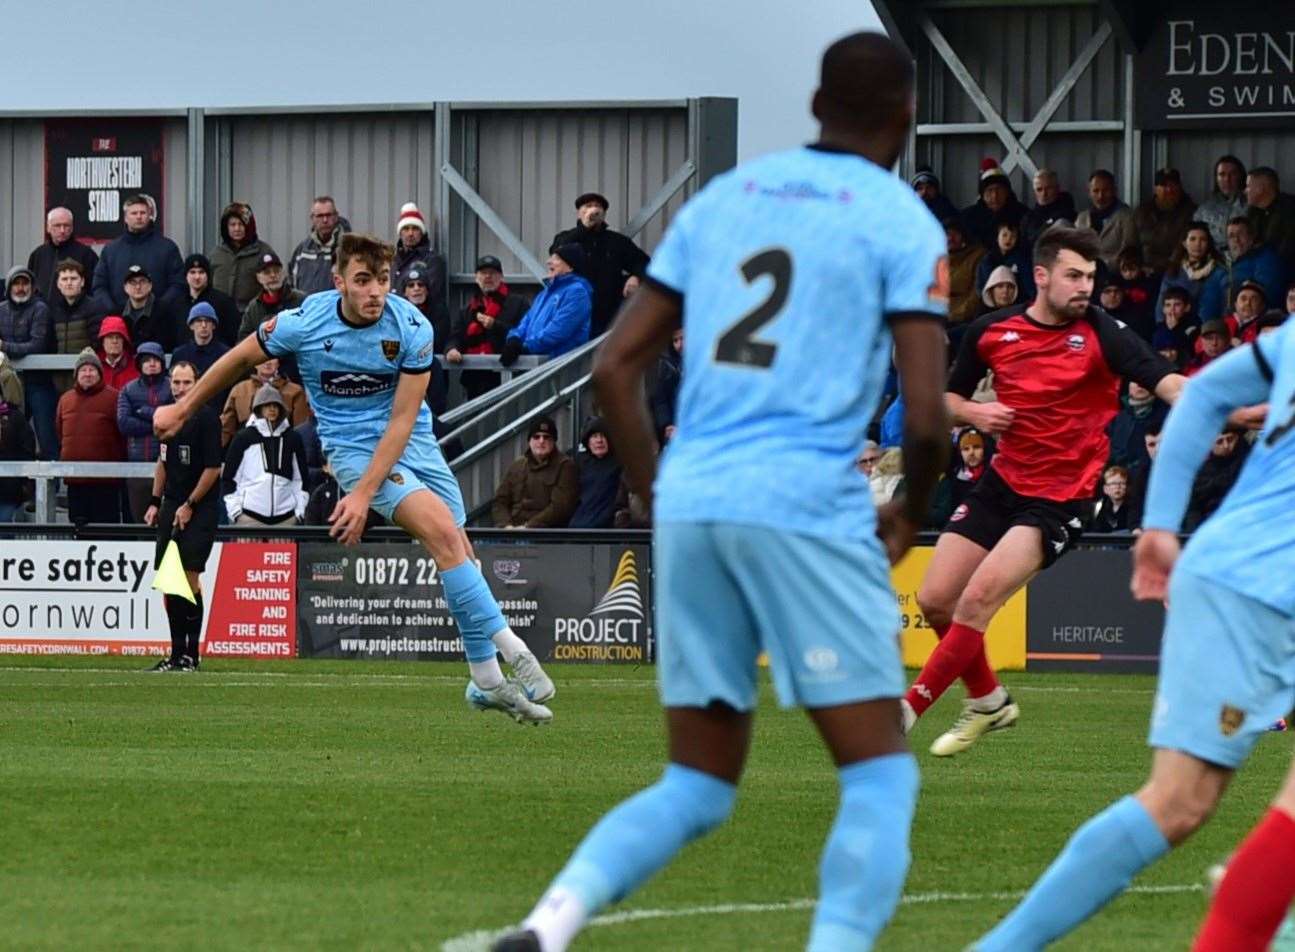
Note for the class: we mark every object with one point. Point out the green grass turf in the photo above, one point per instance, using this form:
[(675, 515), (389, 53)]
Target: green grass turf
[(346, 805)]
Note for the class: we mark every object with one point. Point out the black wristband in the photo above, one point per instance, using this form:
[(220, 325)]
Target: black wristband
[(155, 501)]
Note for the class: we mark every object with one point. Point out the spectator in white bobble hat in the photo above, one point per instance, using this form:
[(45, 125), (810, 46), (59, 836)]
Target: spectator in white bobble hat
[(414, 251)]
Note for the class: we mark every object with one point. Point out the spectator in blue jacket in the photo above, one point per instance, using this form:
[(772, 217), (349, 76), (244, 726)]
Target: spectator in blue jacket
[(143, 244), (558, 319), (135, 406), (1196, 267), (1251, 261)]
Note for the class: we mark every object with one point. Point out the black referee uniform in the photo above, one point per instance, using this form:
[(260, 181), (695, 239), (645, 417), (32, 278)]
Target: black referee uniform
[(184, 458)]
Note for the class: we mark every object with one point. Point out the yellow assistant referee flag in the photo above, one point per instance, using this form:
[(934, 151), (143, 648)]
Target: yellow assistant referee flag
[(169, 579)]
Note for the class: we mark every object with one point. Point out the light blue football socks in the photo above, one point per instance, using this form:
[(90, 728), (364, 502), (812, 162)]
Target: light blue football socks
[(1097, 864), (474, 609), (861, 875)]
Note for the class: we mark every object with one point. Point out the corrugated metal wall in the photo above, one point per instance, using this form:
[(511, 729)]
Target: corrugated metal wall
[(175, 190), (1018, 55), (22, 189), (371, 164), (1194, 153), (530, 166)]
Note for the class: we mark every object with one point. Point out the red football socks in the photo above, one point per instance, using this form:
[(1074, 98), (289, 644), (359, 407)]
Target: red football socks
[(979, 677), (1256, 892), (956, 651)]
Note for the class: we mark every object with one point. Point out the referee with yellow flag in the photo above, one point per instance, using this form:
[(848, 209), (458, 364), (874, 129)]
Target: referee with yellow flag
[(184, 508)]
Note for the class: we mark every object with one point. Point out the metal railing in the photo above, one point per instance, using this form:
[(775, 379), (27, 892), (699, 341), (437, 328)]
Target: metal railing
[(44, 472)]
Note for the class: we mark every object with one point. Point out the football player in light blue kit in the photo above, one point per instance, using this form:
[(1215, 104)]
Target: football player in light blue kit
[(1227, 666), (365, 356), (792, 275)]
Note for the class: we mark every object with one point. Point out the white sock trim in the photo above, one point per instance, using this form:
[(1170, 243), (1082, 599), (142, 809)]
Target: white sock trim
[(991, 701), (509, 645), (486, 674), (557, 919)]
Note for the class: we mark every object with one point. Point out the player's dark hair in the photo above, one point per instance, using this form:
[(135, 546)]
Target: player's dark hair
[(374, 253), (1059, 238), (865, 81), (70, 264), (187, 363)]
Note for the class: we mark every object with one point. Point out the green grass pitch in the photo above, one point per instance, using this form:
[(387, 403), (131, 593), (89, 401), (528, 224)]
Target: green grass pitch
[(315, 805)]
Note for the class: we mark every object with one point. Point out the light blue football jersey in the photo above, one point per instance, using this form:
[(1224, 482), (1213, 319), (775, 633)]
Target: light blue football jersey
[(349, 371), (1248, 544), (788, 266)]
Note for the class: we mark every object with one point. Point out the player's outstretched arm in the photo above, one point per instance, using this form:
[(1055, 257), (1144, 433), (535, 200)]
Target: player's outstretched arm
[(640, 335), (920, 360), (352, 510), (1237, 379), (221, 375)]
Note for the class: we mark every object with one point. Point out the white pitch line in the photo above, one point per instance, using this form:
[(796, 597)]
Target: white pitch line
[(479, 940)]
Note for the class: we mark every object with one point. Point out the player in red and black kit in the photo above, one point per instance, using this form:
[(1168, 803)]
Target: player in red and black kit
[(1058, 364)]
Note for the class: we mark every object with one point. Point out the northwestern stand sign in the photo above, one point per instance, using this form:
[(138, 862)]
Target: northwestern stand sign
[(1219, 64), (93, 165)]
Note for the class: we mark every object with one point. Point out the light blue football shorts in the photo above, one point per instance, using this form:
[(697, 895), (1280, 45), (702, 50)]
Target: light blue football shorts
[(414, 471), (823, 609), (1227, 671)]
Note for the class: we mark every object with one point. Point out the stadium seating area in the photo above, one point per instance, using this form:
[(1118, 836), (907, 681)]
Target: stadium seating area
[(1192, 279)]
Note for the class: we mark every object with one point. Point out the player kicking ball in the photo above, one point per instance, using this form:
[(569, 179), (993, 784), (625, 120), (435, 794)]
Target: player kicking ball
[(1057, 364), (1227, 670), (365, 357), (747, 559)]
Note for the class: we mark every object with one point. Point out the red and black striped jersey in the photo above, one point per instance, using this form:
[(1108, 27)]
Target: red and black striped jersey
[(1063, 381)]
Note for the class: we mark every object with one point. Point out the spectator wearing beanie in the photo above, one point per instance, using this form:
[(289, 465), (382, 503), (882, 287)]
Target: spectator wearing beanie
[(265, 467), (997, 204), (87, 432), (600, 479), (275, 294), (135, 406), (541, 488), (17, 444), (60, 245), (973, 450), (612, 262), (24, 330), (197, 278), (414, 250), (927, 186), (116, 352), (203, 348), (234, 259), (558, 319), (482, 326)]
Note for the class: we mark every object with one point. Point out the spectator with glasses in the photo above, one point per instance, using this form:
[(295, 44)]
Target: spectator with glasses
[(310, 268), (540, 490)]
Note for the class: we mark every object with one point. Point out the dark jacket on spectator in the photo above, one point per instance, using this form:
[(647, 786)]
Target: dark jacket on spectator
[(600, 481), (422, 257), (123, 373), (73, 327), (436, 311), (1109, 519), (982, 224), (233, 270), (664, 398), (470, 336), (202, 358), (44, 259), (314, 450), (24, 328), (610, 260), (17, 444), (1213, 480), (310, 268), (1139, 304), (558, 319), (86, 423), (265, 306), (1275, 227), (959, 480), (1161, 230), (158, 254), (537, 495), (135, 406), (324, 498), (941, 207), (1207, 285), (228, 315), (1041, 217), (155, 322), (1018, 261)]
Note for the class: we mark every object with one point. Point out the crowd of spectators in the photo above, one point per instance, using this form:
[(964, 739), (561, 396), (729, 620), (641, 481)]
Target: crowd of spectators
[(126, 312)]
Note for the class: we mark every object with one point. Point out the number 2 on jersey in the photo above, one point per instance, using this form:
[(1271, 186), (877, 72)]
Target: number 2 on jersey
[(738, 344)]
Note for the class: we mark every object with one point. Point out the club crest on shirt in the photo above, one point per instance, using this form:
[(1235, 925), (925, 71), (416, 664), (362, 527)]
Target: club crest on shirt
[(185, 454), (390, 348), (1230, 720), (328, 346), (959, 513), (397, 479), (1075, 342)]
